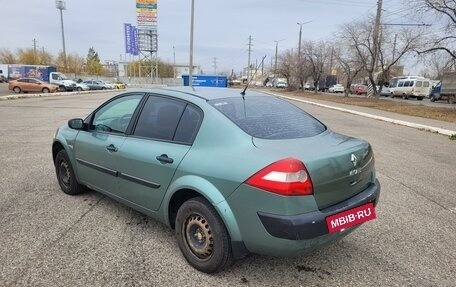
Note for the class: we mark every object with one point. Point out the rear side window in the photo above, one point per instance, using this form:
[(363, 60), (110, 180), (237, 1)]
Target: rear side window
[(269, 117), (419, 84), (426, 84), (401, 84), (168, 119)]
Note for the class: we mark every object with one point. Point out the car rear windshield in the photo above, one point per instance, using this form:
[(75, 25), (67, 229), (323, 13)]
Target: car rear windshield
[(269, 117)]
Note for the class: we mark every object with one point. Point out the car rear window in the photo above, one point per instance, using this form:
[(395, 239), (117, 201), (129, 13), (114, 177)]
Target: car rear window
[(269, 117)]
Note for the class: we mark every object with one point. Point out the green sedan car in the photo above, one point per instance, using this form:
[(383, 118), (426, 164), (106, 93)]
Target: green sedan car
[(232, 173)]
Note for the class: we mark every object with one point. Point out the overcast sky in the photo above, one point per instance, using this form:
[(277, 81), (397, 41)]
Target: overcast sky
[(222, 28)]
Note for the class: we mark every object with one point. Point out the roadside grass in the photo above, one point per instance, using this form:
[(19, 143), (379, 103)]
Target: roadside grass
[(441, 114)]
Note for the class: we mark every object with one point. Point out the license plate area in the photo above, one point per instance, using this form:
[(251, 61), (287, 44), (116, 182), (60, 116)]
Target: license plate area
[(351, 217)]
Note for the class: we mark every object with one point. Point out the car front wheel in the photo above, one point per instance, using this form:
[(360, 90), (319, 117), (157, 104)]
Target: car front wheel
[(17, 90), (202, 236), (65, 174)]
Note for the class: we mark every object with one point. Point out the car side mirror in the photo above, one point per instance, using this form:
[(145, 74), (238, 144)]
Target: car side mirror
[(77, 124)]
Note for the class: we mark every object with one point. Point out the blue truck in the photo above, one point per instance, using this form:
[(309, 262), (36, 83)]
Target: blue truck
[(44, 73), (445, 89), (207, 80)]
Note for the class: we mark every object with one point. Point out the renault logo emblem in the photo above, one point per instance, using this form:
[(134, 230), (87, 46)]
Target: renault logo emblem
[(354, 160)]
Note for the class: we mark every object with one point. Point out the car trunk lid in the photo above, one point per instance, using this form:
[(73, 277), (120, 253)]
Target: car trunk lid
[(339, 166)]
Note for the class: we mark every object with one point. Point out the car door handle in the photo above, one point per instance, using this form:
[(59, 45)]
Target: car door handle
[(164, 159), (111, 148)]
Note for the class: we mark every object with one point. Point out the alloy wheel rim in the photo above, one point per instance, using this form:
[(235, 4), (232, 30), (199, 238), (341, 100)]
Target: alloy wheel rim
[(198, 235)]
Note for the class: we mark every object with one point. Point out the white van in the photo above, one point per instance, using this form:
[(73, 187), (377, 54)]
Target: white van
[(418, 88)]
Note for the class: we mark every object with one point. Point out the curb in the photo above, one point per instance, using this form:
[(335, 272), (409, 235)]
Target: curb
[(39, 95), (380, 118)]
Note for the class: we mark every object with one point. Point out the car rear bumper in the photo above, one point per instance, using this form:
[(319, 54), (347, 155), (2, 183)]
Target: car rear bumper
[(313, 224)]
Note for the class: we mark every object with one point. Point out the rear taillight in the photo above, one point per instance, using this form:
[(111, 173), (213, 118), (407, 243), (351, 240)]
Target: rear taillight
[(285, 177)]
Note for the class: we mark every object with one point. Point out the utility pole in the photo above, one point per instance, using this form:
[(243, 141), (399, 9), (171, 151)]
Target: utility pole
[(275, 64), (299, 53), (248, 60), (174, 62), (34, 50), (214, 63), (190, 68), (376, 33), (394, 47)]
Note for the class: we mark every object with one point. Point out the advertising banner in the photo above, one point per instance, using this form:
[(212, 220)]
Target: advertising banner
[(134, 42), (128, 48)]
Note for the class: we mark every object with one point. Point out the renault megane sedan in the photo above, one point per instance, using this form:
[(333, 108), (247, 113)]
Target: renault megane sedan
[(232, 173)]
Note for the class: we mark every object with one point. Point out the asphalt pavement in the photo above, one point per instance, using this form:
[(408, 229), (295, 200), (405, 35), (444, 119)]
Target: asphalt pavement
[(52, 239)]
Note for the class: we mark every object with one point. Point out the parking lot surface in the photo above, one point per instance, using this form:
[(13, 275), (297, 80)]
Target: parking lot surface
[(52, 239)]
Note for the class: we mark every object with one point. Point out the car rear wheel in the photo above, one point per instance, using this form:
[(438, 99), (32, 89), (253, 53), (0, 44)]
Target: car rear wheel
[(202, 236), (17, 90), (45, 90), (65, 175), (419, 98), (79, 89), (432, 98)]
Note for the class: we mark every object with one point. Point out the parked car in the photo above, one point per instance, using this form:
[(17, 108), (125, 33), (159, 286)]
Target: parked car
[(31, 85), (308, 86), (82, 87), (386, 92), (337, 88), (3, 79), (109, 85), (96, 85), (119, 85), (231, 172), (359, 90), (418, 88), (281, 84)]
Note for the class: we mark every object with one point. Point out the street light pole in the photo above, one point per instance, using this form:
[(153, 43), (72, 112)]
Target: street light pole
[(60, 4), (299, 52), (276, 50), (190, 70)]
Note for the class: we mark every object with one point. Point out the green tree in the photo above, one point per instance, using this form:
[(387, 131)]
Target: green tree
[(94, 66)]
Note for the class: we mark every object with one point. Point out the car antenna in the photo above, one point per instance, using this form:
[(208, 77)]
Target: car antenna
[(248, 83)]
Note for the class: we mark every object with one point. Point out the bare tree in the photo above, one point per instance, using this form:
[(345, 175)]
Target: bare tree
[(350, 63), (391, 47), (316, 56), (7, 57), (444, 38), (287, 67), (436, 64)]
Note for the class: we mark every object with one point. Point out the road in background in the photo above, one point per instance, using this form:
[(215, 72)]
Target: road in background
[(49, 238)]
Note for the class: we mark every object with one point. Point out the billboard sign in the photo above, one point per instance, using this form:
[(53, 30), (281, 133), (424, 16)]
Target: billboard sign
[(146, 14)]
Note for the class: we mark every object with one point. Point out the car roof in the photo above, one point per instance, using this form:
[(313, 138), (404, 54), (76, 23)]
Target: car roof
[(206, 93)]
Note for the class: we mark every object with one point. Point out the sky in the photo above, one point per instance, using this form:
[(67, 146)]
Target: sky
[(221, 34)]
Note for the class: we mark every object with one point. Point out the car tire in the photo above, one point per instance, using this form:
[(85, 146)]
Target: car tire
[(79, 89), (65, 174), (202, 236), (62, 89), (45, 90), (432, 98), (419, 98), (17, 90)]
